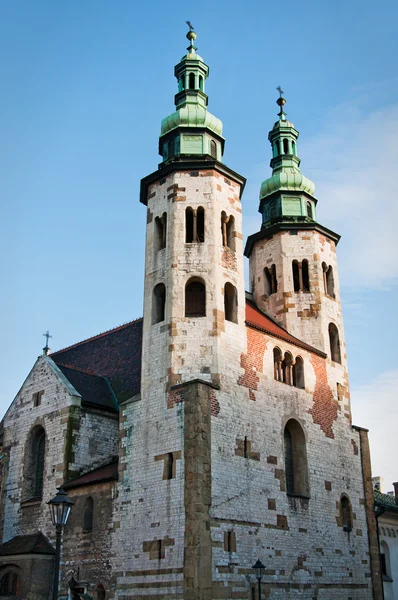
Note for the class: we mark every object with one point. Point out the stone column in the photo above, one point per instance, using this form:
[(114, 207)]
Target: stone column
[(374, 552), (197, 491)]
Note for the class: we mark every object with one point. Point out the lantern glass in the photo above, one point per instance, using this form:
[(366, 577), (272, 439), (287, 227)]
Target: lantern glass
[(258, 569), (60, 507)]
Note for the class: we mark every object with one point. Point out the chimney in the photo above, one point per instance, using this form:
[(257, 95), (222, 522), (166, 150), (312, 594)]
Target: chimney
[(396, 491)]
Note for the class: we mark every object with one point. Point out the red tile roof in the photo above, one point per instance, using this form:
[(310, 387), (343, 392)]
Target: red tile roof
[(100, 474), (114, 354), (259, 320)]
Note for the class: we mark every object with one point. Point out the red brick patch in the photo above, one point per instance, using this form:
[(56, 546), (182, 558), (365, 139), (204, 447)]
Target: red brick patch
[(325, 407), (214, 404), (175, 397), (252, 362)]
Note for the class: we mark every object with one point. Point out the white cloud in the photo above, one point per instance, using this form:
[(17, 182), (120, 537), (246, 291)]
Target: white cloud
[(354, 163), (375, 407)]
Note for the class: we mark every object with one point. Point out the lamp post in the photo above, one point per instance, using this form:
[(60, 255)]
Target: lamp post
[(258, 569), (60, 507)]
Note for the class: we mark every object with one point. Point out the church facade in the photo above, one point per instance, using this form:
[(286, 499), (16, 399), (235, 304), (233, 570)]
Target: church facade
[(215, 430)]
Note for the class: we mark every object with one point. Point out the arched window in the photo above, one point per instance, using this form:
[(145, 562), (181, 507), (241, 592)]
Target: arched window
[(330, 282), (192, 81), (296, 279), (181, 83), (385, 561), (289, 474), (195, 225), (278, 364), (189, 225), (195, 298), (100, 592), (231, 233), (160, 232), (200, 228), (267, 282), (201, 83), (285, 146), (298, 373), (34, 463), (305, 276), (10, 584), (231, 303), (40, 451), (278, 148), (213, 149), (334, 342), (271, 283), (158, 303), (228, 230), (301, 279), (309, 210), (274, 279), (287, 368), (346, 513), (88, 515), (296, 468), (294, 148), (170, 466)]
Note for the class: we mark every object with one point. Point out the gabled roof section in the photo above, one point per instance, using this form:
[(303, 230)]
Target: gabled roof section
[(103, 473), (35, 543), (259, 320), (115, 355), (94, 389)]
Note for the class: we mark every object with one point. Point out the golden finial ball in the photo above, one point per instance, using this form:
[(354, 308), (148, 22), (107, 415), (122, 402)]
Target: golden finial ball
[(191, 35), (281, 101)]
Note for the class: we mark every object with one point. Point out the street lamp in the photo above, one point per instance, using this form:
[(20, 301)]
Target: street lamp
[(258, 569), (60, 507)]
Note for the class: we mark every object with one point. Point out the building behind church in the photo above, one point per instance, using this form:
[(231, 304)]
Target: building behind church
[(215, 430)]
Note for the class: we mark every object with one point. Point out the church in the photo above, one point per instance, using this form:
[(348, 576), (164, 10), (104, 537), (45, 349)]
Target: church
[(216, 430)]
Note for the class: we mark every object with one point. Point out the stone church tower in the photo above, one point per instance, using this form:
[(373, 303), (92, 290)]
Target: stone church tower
[(216, 430), (194, 254), (293, 263)]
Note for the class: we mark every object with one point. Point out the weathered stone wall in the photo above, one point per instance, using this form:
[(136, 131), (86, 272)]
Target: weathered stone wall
[(86, 554), (35, 575), (53, 415), (96, 439), (148, 520), (304, 314), (76, 439), (173, 344), (301, 541)]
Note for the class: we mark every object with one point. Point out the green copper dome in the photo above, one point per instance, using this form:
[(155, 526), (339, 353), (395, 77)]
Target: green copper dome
[(191, 115), (191, 131), (287, 195), (284, 180)]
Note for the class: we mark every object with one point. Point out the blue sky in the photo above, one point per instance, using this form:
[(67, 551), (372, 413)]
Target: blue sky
[(84, 88)]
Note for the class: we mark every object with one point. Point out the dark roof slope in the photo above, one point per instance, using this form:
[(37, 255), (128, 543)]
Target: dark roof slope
[(94, 389), (35, 543), (115, 354), (259, 320), (100, 474), (385, 500)]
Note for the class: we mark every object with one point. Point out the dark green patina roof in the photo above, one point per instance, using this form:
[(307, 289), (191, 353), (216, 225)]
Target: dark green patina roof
[(387, 501)]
